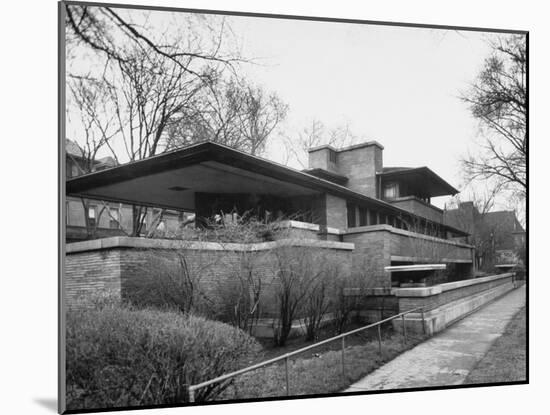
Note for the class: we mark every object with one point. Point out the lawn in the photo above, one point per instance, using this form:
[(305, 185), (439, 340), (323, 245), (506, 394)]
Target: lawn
[(506, 359), (319, 371)]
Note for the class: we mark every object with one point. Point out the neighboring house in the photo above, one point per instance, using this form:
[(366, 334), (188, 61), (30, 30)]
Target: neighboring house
[(105, 218), (498, 237), (346, 195)]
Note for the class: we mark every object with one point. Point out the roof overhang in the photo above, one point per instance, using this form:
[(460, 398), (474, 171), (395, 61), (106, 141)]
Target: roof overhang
[(171, 179), (327, 175), (422, 179)]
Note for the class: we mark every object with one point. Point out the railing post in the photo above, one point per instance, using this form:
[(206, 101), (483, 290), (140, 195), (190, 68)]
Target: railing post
[(287, 380), (379, 340), (404, 328), (343, 359), (190, 394)]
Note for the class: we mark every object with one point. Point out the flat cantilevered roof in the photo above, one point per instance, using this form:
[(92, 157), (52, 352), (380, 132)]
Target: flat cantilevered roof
[(171, 179), (423, 180)]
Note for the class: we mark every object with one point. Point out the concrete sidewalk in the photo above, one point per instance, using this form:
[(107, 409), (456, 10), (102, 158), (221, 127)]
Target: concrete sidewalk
[(449, 356)]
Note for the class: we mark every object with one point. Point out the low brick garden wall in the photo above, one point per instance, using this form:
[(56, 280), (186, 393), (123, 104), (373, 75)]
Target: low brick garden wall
[(112, 265), (444, 304)]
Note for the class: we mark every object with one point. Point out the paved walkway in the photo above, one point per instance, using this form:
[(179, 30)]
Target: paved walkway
[(449, 356)]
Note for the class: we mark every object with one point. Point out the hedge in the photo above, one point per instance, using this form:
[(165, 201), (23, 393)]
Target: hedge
[(122, 356)]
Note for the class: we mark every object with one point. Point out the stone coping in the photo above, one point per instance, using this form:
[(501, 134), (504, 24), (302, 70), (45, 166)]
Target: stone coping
[(377, 291), (416, 267), (299, 225), (427, 259), (147, 243), (391, 229), (310, 227), (438, 289)]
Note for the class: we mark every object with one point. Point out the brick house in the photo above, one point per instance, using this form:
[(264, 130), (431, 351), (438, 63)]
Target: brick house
[(104, 218), (498, 236)]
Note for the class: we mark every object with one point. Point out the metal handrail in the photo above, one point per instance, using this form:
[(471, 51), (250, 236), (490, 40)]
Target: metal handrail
[(192, 388)]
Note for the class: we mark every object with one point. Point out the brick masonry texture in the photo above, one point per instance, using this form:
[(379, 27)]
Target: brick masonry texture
[(374, 250), (216, 272), (90, 273), (372, 253), (361, 166), (420, 208), (426, 248), (336, 212)]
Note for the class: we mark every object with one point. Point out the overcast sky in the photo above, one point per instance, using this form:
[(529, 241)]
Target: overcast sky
[(396, 85)]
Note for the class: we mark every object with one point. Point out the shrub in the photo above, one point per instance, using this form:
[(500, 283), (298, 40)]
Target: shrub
[(121, 356), (171, 279)]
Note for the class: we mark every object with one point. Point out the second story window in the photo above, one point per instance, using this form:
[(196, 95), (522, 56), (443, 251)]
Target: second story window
[(363, 213), (332, 156), (351, 215), (143, 221), (114, 217), (91, 216), (390, 191)]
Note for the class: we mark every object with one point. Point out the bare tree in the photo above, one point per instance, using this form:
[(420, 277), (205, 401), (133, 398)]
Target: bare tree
[(90, 101), (314, 135), (153, 72), (498, 99), (109, 30), (232, 112)]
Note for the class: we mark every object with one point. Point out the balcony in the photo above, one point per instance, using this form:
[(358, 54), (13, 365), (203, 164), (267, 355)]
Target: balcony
[(418, 207)]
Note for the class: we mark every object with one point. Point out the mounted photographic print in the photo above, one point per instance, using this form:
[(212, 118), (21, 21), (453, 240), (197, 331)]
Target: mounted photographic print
[(264, 207)]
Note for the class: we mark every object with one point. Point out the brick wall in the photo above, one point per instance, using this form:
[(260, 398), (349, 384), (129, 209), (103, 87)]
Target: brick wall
[(336, 212), (360, 165), (376, 246), (425, 247), (119, 265), (370, 256), (420, 208), (91, 273)]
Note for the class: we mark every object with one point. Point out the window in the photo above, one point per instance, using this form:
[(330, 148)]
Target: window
[(332, 156), (143, 222), (351, 215), (114, 218), (91, 216), (363, 217), (390, 191), (372, 218)]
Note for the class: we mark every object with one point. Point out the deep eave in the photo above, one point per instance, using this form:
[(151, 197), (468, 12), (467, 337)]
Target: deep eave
[(423, 177), (327, 175)]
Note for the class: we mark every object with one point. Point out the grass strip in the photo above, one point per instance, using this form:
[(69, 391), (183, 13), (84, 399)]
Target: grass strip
[(506, 359)]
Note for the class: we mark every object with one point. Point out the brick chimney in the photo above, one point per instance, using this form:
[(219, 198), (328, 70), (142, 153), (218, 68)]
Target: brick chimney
[(359, 163)]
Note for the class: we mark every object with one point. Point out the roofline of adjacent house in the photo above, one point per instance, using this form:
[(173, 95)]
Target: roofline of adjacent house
[(208, 150)]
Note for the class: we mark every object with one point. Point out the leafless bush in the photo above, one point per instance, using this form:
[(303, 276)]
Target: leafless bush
[(173, 280), (297, 273), (322, 295), (240, 296)]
